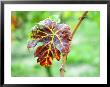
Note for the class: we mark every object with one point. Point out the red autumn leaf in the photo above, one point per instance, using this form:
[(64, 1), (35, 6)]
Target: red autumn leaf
[(56, 53), (55, 38)]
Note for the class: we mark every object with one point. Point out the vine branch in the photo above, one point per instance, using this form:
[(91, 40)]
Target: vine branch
[(64, 57), (62, 69), (79, 22)]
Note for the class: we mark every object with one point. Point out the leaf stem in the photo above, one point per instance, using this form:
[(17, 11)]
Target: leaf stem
[(64, 57), (48, 70)]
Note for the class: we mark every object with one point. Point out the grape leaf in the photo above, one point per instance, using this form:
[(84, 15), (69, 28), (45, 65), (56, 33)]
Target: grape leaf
[(55, 38)]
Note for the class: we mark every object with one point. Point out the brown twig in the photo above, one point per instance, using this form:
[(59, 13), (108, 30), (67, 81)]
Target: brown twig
[(62, 68), (64, 57), (79, 22)]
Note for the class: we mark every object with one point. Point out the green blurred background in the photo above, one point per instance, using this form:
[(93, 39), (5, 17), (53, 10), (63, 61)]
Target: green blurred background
[(83, 59)]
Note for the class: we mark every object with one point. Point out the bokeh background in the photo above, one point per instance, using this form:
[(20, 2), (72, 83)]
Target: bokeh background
[(83, 59)]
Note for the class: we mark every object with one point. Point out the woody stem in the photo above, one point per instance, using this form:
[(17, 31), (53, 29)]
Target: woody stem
[(79, 22), (62, 69), (64, 57)]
